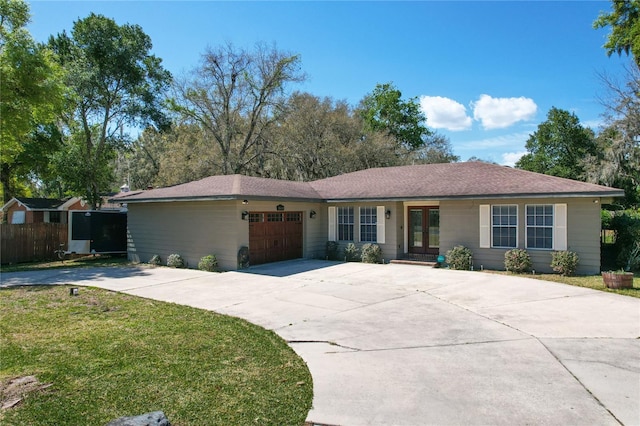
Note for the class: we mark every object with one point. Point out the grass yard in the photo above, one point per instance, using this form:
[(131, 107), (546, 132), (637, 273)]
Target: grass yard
[(104, 355), (590, 281), (593, 281), (80, 262)]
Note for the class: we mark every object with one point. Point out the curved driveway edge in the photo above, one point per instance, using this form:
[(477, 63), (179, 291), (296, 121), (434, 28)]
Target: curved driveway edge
[(408, 345)]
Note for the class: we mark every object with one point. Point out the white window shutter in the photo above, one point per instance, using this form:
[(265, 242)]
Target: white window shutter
[(485, 226), (380, 217), (560, 227), (333, 221)]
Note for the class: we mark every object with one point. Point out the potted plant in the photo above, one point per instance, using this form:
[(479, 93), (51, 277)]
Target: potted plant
[(624, 277)]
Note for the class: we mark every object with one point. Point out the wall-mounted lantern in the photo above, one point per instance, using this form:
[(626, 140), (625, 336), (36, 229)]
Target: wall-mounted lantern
[(387, 214), (312, 214), (245, 202), (280, 207), (245, 215)]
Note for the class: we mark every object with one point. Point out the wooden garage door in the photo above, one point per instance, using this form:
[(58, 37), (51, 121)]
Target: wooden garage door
[(274, 236)]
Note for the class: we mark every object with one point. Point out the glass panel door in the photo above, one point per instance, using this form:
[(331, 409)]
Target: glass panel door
[(416, 242), (434, 228)]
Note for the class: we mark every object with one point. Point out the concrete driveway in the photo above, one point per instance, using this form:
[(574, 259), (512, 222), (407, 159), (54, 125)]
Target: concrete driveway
[(411, 345)]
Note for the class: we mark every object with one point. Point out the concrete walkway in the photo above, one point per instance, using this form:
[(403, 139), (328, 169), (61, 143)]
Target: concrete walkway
[(411, 345)]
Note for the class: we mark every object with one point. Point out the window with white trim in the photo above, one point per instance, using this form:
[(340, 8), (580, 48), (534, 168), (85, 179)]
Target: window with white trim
[(539, 219), (504, 226), (345, 223), (368, 224)]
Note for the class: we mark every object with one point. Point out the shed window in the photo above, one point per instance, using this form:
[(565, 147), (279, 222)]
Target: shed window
[(18, 217)]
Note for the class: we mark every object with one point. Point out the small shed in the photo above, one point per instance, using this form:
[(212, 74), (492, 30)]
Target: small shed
[(21, 210)]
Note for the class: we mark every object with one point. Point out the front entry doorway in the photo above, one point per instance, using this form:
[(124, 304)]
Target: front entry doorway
[(424, 230)]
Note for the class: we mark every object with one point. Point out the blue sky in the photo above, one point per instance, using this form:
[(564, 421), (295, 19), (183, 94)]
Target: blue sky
[(485, 73)]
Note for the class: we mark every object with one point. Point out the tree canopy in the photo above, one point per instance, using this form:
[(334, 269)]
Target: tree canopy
[(624, 21), (115, 82), (558, 146), (385, 110), (32, 92)]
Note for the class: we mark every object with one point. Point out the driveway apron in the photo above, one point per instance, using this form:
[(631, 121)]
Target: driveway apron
[(411, 345)]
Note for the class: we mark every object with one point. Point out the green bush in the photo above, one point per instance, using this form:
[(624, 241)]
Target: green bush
[(208, 263), (564, 262), (351, 253), (155, 260), (459, 258), (371, 253), (175, 261), (517, 260), (332, 251)]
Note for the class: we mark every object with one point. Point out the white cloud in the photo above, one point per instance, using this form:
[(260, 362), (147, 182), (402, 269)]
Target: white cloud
[(510, 158), (498, 113), (445, 113)]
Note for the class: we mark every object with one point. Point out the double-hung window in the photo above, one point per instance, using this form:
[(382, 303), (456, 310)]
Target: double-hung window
[(368, 224), (345, 223), (540, 226), (504, 226)]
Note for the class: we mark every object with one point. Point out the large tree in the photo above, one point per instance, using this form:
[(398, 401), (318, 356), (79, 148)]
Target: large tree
[(558, 146), (116, 84), (236, 96), (31, 91), (384, 110), (617, 162), (624, 21)]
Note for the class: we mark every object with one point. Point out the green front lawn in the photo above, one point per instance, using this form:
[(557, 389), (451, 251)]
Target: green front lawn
[(592, 281), (108, 355), (78, 262)]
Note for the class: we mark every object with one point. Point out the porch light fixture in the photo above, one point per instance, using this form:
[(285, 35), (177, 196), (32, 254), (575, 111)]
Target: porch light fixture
[(312, 214), (245, 202), (387, 214), (245, 215), (280, 207)]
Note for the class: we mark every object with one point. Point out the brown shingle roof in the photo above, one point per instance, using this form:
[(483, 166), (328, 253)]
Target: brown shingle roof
[(435, 181), (226, 187), (452, 180)]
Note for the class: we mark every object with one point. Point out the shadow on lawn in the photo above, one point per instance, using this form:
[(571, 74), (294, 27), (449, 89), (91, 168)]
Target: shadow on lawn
[(61, 276)]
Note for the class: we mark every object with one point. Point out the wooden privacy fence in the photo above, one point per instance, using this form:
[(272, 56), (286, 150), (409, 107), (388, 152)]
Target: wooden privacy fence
[(31, 241)]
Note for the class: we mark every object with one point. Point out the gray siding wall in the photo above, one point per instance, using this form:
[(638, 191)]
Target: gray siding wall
[(195, 229), (460, 222), (392, 247), (192, 229)]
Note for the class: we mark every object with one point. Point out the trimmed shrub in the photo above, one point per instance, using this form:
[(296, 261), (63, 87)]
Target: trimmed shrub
[(155, 260), (208, 263), (332, 251), (371, 253), (459, 258), (564, 262), (517, 260), (351, 253), (175, 261)]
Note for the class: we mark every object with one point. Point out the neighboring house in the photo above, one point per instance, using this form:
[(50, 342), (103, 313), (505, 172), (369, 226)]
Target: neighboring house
[(420, 211), (21, 210)]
